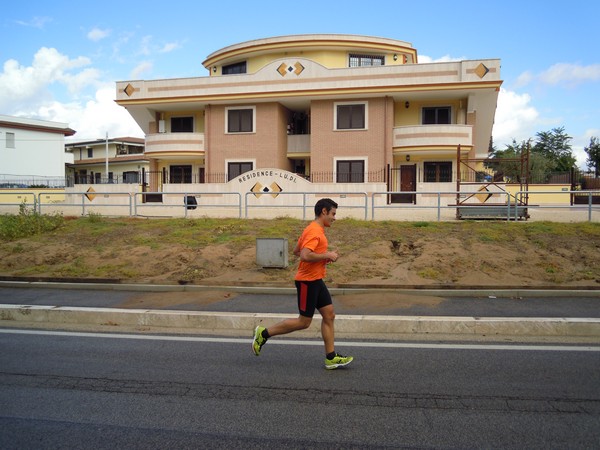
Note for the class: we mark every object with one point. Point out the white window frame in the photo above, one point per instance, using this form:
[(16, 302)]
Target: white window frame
[(233, 108), (335, 110), (364, 159)]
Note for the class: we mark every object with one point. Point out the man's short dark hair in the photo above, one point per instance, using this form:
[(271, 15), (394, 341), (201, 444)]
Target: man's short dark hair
[(326, 203)]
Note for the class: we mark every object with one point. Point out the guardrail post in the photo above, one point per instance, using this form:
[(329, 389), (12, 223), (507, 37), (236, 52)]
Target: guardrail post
[(304, 206), (373, 206)]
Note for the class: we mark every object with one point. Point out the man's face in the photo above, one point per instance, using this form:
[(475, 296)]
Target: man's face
[(328, 217)]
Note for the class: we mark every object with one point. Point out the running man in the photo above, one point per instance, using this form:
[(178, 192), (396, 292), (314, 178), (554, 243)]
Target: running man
[(312, 292)]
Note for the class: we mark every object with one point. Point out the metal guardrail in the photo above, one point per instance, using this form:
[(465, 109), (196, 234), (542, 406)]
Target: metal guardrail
[(18, 204), (187, 203), (590, 207), (508, 207), (305, 204), (83, 204), (439, 206)]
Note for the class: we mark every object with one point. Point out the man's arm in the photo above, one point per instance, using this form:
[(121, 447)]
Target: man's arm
[(307, 255)]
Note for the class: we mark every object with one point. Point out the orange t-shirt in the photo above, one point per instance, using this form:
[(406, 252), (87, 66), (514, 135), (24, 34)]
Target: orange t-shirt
[(313, 238)]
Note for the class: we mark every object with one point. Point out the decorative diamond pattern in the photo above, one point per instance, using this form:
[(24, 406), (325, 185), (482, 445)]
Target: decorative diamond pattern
[(90, 194), (481, 70), (484, 196), (258, 189), (129, 90), (284, 69)]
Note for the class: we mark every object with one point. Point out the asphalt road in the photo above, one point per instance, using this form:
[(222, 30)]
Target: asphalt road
[(574, 305), (69, 390)]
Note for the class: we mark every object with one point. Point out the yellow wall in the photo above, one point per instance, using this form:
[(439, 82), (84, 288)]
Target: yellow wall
[(544, 194), (412, 115), (198, 119), (327, 58), (28, 195)]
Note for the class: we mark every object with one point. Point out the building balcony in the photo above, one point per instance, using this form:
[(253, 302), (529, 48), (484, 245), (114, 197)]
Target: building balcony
[(412, 137), (165, 144), (298, 145)]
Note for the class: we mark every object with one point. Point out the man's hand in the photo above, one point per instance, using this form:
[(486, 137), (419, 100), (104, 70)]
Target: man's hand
[(332, 256)]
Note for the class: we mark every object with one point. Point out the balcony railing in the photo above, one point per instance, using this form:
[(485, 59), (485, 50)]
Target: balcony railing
[(174, 142), (431, 135), (298, 143)]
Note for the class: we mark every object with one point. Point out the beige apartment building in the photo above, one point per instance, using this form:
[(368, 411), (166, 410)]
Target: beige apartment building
[(334, 109)]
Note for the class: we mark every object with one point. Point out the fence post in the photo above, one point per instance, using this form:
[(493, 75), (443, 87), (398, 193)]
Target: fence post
[(373, 203), (439, 205), (589, 206), (304, 206), (185, 208)]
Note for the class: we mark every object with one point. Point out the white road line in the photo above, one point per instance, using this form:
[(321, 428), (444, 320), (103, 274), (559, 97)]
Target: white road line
[(417, 345)]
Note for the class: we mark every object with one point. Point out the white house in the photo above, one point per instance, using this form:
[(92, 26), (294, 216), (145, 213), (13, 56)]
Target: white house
[(32, 151)]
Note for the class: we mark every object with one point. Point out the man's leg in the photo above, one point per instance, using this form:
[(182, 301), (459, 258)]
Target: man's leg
[(289, 325), (328, 315), (261, 334)]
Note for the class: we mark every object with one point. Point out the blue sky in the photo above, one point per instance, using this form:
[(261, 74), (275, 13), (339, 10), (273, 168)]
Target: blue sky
[(60, 60)]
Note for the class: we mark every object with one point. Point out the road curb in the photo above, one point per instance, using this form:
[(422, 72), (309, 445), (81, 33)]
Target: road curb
[(355, 326), (346, 290)]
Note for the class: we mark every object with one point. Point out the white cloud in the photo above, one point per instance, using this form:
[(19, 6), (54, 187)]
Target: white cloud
[(424, 59), (97, 34), (21, 86), (515, 118), (144, 66), (94, 118), (145, 45), (565, 74), (170, 47), (36, 22), (570, 74)]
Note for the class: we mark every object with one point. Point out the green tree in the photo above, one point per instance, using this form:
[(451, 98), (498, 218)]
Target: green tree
[(555, 146), (507, 163), (593, 152)]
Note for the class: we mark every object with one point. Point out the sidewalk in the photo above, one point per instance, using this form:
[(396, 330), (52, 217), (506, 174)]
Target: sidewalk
[(375, 313)]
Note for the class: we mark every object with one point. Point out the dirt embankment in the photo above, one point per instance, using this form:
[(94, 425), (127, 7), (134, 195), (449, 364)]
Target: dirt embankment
[(371, 254)]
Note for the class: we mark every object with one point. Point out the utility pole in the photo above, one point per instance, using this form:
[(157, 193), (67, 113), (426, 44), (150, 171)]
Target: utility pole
[(106, 165)]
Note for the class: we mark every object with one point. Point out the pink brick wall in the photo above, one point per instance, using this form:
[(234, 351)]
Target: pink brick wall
[(268, 145), (327, 143)]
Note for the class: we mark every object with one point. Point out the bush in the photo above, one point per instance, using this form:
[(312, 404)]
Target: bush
[(28, 223)]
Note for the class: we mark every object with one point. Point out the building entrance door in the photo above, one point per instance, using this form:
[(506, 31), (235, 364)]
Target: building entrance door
[(408, 183)]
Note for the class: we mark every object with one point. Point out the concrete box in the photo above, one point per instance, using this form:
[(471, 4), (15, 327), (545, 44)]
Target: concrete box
[(272, 252)]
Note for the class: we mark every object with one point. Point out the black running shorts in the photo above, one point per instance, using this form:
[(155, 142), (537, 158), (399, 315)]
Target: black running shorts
[(312, 295)]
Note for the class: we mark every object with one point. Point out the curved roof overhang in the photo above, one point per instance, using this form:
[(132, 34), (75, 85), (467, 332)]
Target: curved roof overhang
[(308, 42)]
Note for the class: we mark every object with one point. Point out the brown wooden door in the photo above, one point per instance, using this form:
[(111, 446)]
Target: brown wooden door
[(408, 183)]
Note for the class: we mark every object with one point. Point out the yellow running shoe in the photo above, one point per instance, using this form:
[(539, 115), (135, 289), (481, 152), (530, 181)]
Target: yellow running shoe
[(258, 340), (338, 361)]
